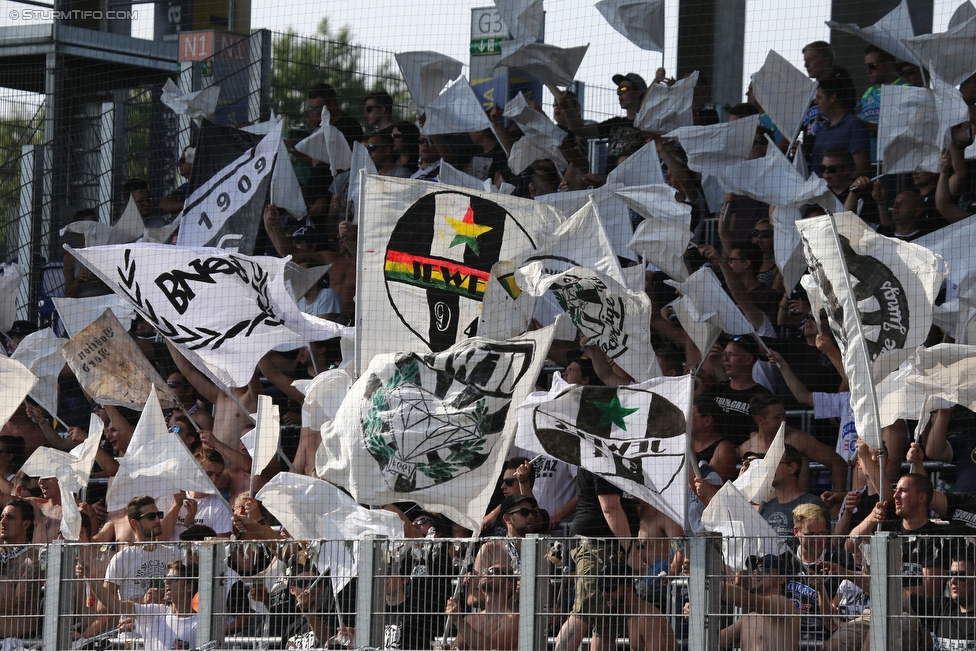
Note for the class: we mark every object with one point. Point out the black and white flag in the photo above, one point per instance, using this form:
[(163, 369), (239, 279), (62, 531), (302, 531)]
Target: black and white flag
[(432, 428), (610, 315), (224, 309), (225, 212), (878, 293), (632, 436)]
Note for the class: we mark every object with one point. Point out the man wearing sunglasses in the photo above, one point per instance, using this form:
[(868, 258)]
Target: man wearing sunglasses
[(136, 569), (879, 66), (952, 619), (521, 515)]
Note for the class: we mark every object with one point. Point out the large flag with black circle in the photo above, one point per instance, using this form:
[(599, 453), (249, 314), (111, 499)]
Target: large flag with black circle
[(632, 436), (878, 293), (425, 254), (432, 428)]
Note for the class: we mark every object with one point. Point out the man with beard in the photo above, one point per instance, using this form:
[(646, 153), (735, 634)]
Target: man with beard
[(496, 626), (137, 569), (521, 515), (20, 588), (770, 621)]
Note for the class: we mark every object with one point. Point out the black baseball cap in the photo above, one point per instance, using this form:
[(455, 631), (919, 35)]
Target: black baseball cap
[(630, 79)]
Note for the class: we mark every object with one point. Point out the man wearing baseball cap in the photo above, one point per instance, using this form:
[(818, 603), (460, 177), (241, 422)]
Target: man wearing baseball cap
[(623, 137)]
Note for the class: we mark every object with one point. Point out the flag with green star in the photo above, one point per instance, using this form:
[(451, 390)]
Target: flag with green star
[(632, 436)]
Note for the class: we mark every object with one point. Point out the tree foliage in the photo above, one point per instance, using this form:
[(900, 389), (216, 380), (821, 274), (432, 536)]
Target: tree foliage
[(300, 62), (16, 131)]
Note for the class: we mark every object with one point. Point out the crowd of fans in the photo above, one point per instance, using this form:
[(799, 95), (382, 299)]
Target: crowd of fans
[(624, 552)]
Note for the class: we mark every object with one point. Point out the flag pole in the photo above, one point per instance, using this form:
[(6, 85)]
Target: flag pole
[(468, 560)]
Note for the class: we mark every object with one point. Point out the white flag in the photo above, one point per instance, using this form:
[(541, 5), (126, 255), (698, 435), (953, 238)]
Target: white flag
[(456, 110), (225, 211), (632, 436), (95, 233), (664, 234), (580, 241), (955, 244), (286, 192), (550, 64), (784, 92), (617, 218), (717, 146), (641, 168), (888, 33), (267, 433), (129, 228), (361, 162), (878, 294), (450, 175), (111, 368), (156, 463), (506, 311), (432, 427), (774, 180), (522, 17), (196, 105), (10, 278), (707, 301), (667, 108), (425, 255), (16, 381), (225, 308), (323, 395), (901, 396), (610, 315), (950, 54), (77, 313), (640, 21), (952, 108), (530, 148), (532, 122), (756, 483), (744, 532), (40, 352), (327, 144), (908, 130), (426, 73), (72, 470), (702, 333), (786, 244), (946, 371)]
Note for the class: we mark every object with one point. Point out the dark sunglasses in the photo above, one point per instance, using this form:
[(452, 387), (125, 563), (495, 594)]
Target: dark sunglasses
[(495, 571), (425, 142), (763, 234), (152, 515), (870, 67), (372, 148), (176, 385), (510, 481), (958, 575), (175, 429), (832, 169), (524, 512), (419, 522), (369, 109), (623, 89)]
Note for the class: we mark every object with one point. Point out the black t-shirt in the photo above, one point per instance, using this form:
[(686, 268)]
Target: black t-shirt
[(952, 628), (589, 520), (961, 513), (922, 548), (623, 138), (735, 423), (350, 128)]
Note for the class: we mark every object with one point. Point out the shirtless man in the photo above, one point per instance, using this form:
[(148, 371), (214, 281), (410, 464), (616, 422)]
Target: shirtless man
[(496, 626), (47, 510), (647, 628), (20, 574), (650, 555), (771, 621), (23, 426), (188, 399), (229, 418), (769, 413), (343, 271)]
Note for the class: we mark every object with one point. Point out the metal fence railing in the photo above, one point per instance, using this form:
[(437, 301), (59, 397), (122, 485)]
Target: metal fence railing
[(527, 594)]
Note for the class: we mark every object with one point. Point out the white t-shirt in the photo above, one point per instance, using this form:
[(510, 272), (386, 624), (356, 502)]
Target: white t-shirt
[(161, 629), (325, 302), (134, 569), (211, 511), (555, 481)]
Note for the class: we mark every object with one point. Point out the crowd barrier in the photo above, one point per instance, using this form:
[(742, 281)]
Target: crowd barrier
[(395, 592)]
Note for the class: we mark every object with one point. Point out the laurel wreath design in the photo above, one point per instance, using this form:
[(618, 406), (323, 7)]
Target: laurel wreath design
[(201, 337), (462, 453)]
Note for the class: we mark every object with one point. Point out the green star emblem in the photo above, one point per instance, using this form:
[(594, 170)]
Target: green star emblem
[(613, 412)]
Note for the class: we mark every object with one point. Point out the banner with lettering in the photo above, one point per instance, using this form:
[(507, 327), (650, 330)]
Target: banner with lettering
[(224, 308), (225, 212), (425, 254), (111, 368)]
